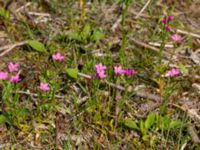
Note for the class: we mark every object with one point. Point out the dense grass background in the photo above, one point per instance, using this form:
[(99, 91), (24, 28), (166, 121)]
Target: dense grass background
[(80, 111)]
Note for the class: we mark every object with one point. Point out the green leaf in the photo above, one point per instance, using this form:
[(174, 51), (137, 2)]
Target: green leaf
[(6, 91), (183, 69), (97, 35), (86, 32), (36, 45), (176, 124), (74, 36), (146, 137), (4, 14), (150, 120), (68, 110), (131, 124), (142, 128), (3, 119), (164, 122), (72, 72)]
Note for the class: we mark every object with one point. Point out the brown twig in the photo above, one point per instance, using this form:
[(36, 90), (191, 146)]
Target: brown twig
[(85, 75), (132, 11), (193, 133), (4, 47), (141, 94), (116, 24), (8, 48), (159, 44), (144, 7), (23, 7), (36, 95), (154, 97), (188, 33), (149, 47), (39, 14)]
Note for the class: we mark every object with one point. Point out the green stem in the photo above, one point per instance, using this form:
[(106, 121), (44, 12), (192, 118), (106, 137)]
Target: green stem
[(163, 38), (124, 38)]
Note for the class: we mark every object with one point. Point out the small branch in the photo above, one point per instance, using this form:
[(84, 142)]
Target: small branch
[(4, 47), (39, 14), (144, 7), (156, 98), (116, 24), (159, 44), (183, 146), (193, 114), (145, 45), (8, 48), (119, 87), (85, 75), (150, 47), (141, 94), (193, 133), (28, 93), (177, 106), (188, 33), (36, 95), (23, 7), (132, 11)]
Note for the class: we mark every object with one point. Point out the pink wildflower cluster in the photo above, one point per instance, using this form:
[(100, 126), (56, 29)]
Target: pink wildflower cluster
[(14, 78), (175, 37), (166, 21), (58, 57), (119, 70), (173, 72), (129, 72)]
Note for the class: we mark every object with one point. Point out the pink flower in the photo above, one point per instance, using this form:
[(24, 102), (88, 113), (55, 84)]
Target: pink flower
[(168, 28), (44, 87), (165, 20), (100, 69), (3, 75), (176, 38), (15, 79), (170, 18), (58, 57), (129, 72), (13, 67), (118, 70), (101, 74), (173, 72)]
